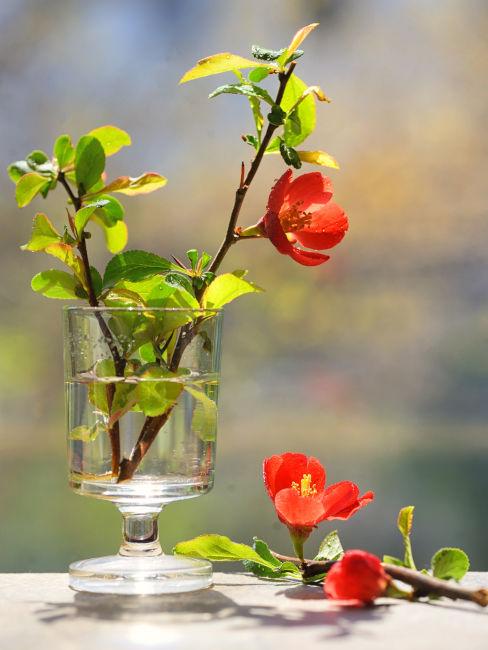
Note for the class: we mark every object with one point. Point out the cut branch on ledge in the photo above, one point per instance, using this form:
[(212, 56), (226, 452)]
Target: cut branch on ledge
[(423, 584)]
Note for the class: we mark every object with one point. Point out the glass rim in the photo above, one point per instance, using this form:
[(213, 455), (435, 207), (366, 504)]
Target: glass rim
[(89, 309)]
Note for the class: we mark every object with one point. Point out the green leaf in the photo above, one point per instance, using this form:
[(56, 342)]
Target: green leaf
[(217, 63), (290, 155), (305, 112), (405, 522), (17, 169), (89, 162), (225, 288), (113, 208), (330, 549), (219, 548), (250, 90), (96, 280), (157, 392), (63, 151), (205, 260), (274, 145), (263, 54), (144, 184), (276, 116), (258, 74), (55, 284), (134, 266), (389, 559), (43, 234), (28, 186), (83, 214), (251, 140), (255, 105), (450, 564), (276, 569), (37, 157), (296, 55), (111, 138), (192, 255), (116, 234), (179, 280), (85, 433), (204, 419)]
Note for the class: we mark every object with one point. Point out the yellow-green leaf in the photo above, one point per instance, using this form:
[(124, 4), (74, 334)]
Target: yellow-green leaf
[(405, 520), (204, 420), (28, 186), (305, 112), (318, 158), (144, 184), (115, 234), (225, 288), (219, 548), (55, 284), (65, 253), (217, 63), (43, 234), (83, 214), (111, 138), (89, 162), (64, 151)]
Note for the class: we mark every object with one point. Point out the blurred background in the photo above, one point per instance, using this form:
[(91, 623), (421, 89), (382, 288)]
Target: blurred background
[(376, 362)]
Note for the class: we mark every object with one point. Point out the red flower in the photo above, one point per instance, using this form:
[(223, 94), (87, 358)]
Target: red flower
[(359, 576), (301, 211), (296, 485)]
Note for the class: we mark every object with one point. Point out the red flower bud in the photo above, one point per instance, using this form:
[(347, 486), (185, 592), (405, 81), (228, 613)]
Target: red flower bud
[(358, 577)]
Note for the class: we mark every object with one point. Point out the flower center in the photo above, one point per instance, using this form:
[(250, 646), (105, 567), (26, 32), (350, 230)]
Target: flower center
[(306, 488), (292, 219)]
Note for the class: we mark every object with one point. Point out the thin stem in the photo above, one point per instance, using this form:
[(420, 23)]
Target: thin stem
[(119, 362), (230, 237), (423, 584)]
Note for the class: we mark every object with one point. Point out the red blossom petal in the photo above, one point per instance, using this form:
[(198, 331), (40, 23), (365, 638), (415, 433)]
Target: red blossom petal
[(307, 258), (278, 193), (279, 239), (342, 500), (299, 512), (308, 192), (326, 230), (271, 466), (293, 468)]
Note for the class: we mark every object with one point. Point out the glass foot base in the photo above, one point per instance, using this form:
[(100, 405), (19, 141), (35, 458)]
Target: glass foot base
[(159, 574)]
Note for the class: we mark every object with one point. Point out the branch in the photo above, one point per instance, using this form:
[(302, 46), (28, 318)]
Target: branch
[(230, 237), (152, 425), (422, 583), (119, 362)]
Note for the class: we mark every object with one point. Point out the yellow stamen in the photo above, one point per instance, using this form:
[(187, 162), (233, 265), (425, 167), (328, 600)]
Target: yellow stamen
[(306, 488), (294, 219)]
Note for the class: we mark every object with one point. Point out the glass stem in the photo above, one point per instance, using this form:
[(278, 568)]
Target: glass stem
[(140, 532)]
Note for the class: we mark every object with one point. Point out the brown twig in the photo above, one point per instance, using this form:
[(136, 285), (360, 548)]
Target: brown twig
[(423, 584), (119, 362), (230, 237)]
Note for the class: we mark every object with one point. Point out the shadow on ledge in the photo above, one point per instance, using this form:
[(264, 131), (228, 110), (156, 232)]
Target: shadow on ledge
[(210, 605)]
